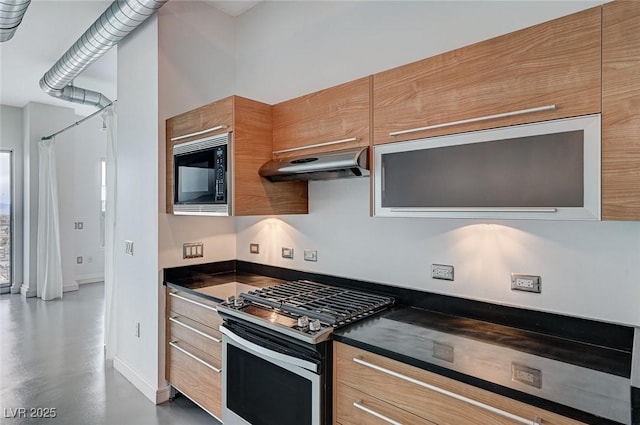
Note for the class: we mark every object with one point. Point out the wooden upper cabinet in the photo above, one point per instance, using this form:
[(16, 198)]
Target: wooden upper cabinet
[(251, 146), (335, 114), (621, 111), (214, 118), (554, 63)]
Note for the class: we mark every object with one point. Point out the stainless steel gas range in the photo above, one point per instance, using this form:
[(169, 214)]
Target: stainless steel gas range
[(277, 353)]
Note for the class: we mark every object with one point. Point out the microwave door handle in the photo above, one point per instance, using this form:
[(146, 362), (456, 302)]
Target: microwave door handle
[(265, 352)]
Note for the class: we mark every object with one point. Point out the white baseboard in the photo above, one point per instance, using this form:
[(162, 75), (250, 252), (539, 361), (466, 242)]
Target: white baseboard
[(27, 292), (90, 278), (156, 396), (70, 286), (163, 394)]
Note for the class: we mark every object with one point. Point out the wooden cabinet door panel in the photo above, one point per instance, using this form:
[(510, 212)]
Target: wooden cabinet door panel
[(197, 381), (621, 111), (349, 414), (206, 117), (554, 63), (427, 403), (337, 113)]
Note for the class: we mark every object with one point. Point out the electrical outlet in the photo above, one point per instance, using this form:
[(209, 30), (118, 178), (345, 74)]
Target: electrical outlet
[(442, 271), (310, 255), (128, 247), (443, 351), (254, 248), (193, 250), (137, 330), (526, 375), (525, 282), (287, 253), (78, 260)]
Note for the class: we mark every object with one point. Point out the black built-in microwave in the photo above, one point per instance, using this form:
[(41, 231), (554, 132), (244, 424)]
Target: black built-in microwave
[(201, 176)]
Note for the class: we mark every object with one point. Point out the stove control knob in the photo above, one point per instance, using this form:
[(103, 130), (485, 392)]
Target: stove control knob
[(314, 325), (303, 322), (231, 299), (238, 302)]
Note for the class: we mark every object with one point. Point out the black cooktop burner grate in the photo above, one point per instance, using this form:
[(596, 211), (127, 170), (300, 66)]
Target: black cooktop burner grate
[(331, 305)]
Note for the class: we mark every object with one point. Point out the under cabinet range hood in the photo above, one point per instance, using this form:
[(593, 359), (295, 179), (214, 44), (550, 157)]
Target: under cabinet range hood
[(319, 166)]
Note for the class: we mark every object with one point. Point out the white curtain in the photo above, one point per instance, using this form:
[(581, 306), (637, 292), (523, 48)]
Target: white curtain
[(49, 263), (110, 284)]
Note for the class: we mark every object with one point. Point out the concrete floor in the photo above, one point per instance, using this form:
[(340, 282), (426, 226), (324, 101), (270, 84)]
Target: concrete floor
[(51, 356)]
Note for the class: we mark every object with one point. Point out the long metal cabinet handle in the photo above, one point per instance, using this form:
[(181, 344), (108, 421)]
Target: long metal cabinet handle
[(478, 209), (477, 119), (317, 145), (265, 352), (357, 404), (194, 357), (198, 133), (173, 294), (536, 421), (191, 328)]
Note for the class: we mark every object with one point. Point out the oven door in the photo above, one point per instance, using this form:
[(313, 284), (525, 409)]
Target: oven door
[(264, 386)]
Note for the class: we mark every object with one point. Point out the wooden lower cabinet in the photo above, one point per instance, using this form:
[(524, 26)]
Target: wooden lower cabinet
[(368, 377), (194, 349)]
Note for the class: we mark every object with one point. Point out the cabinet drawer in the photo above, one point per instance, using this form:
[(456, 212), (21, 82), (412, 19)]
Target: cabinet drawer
[(196, 335), (357, 408), (554, 63), (431, 396), (195, 379), (194, 308)]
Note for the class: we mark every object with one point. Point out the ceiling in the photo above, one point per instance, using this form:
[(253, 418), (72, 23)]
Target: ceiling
[(48, 29), (234, 7)]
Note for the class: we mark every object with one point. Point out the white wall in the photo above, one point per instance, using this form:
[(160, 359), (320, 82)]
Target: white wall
[(196, 67), (286, 49), (41, 120), (89, 149), (290, 48), (11, 139), (137, 292)]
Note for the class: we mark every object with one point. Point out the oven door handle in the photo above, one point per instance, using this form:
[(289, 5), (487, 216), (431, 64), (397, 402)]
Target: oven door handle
[(265, 352)]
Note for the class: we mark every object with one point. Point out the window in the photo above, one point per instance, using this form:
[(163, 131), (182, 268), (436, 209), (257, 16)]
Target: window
[(6, 220)]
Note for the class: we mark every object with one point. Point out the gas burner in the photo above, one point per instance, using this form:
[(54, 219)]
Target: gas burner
[(303, 309)]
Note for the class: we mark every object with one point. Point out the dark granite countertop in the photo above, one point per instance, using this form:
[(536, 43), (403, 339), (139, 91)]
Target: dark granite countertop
[(578, 380), (196, 280), (581, 371)]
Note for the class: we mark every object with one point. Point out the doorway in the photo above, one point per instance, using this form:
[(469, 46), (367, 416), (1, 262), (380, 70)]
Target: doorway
[(6, 220)]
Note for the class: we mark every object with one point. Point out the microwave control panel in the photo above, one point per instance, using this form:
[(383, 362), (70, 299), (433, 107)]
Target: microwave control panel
[(220, 192)]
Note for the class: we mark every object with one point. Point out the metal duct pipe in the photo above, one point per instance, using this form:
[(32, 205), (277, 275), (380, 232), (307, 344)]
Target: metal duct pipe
[(11, 13), (118, 21)]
